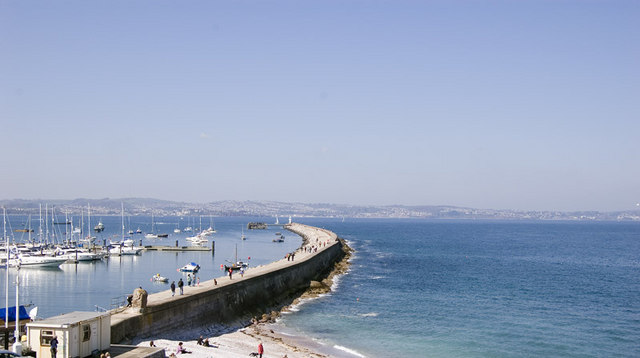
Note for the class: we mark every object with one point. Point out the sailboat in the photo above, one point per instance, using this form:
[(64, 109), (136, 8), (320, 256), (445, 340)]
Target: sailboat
[(242, 237), (124, 247), (152, 234), (237, 265)]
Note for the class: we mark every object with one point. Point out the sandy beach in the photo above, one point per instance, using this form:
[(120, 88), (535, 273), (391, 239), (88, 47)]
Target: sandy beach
[(243, 342)]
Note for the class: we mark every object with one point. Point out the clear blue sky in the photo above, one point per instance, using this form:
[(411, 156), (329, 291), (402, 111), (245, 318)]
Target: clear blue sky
[(530, 105)]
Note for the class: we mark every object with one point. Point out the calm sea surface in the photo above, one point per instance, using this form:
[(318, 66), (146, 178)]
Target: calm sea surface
[(416, 288), (482, 289)]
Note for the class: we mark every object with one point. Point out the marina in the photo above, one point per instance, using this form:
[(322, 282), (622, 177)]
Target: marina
[(100, 284)]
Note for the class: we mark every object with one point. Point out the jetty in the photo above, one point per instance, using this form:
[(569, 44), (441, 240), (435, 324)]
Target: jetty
[(179, 248), (233, 300)]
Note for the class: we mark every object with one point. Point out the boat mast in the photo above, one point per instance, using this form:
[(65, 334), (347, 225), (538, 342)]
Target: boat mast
[(89, 221), (122, 206), (6, 281), (40, 229), (30, 229), (16, 334), (46, 223)]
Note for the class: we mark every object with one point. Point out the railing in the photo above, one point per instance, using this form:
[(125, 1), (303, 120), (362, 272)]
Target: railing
[(117, 302)]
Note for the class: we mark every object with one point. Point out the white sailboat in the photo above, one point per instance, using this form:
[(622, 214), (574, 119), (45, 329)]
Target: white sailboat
[(152, 234), (124, 247)]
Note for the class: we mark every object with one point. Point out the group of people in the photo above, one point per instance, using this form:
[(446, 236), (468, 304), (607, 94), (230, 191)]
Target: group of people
[(201, 342), (204, 342), (191, 281)]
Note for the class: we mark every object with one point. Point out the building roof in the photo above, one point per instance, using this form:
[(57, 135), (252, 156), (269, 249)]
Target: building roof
[(68, 319)]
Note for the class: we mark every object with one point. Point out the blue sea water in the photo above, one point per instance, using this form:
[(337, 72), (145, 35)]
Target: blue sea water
[(416, 288), (481, 289)]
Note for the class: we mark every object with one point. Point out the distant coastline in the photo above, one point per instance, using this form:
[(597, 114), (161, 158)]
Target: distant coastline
[(146, 206)]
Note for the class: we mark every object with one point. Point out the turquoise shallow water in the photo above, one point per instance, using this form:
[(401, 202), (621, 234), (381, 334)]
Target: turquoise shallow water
[(416, 288), (481, 289)]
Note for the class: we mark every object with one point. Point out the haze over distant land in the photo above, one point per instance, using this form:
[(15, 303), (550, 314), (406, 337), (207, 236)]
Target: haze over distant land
[(268, 210), (526, 105)]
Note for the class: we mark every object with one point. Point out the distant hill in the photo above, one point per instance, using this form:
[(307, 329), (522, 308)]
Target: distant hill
[(145, 206)]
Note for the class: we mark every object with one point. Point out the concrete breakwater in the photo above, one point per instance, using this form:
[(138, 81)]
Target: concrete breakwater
[(231, 300)]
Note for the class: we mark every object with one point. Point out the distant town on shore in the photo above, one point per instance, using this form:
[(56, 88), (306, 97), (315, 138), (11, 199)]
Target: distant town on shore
[(145, 206)]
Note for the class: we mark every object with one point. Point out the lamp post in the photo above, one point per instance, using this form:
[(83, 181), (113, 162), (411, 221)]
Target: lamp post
[(17, 346), (6, 314)]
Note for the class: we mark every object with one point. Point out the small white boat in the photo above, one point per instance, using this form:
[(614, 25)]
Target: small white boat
[(99, 227), (123, 250), (198, 239), (158, 278), (150, 236), (190, 267)]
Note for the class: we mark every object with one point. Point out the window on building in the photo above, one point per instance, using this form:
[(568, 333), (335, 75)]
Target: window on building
[(86, 332), (46, 337)]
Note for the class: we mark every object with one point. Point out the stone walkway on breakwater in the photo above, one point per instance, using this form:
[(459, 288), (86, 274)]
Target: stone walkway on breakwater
[(260, 288)]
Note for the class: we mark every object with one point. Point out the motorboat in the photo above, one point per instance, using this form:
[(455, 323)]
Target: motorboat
[(198, 239), (158, 278), (76, 254), (124, 250), (190, 267), (37, 261), (125, 247), (99, 227)]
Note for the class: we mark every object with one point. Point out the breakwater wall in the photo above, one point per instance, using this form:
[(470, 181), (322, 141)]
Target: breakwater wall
[(231, 300)]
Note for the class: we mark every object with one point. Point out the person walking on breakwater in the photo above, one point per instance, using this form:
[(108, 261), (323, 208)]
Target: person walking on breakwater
[(173, 288), (54, 346), (180, 285), (230, 273), (260, 349), (188, 279)]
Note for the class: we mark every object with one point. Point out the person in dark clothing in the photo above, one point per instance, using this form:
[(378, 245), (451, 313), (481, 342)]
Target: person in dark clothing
[(180, 285), (173, 288), (54, 346)]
